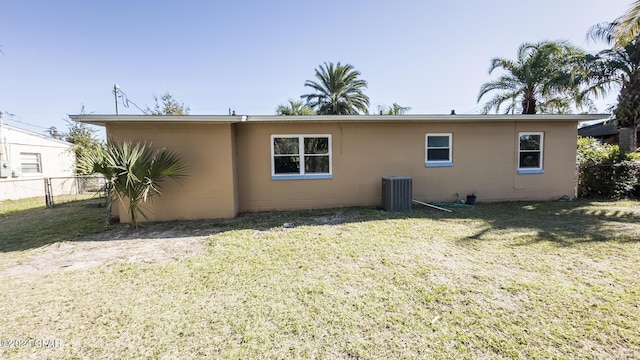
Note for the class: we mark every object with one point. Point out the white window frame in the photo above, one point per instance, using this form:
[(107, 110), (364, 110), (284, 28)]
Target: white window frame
[(531, 170), (301, 154), (438, 163), (38, 163)]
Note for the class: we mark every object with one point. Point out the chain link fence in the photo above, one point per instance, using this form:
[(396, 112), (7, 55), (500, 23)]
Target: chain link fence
[(24, 194)]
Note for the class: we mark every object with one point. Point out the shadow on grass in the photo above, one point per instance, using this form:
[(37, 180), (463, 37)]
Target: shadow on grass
[(33, 228), (564, 223)]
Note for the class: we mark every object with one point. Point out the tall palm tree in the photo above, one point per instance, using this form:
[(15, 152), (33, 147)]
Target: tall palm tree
[(542, 78), (338, 91), (133, 172), (618, 67), (294, 107)]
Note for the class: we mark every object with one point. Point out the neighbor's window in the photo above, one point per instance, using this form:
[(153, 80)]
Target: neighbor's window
[(300, 157), (438, 150), (30, 163), (530, 146)]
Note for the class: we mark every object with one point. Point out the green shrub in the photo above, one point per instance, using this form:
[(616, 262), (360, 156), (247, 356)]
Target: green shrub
[(604, 171)]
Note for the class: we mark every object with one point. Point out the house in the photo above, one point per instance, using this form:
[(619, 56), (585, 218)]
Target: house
[(26, 158), (258, 163), (605, 131)]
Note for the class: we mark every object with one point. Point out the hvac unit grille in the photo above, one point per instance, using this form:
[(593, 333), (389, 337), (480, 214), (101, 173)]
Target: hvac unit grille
[(396, 193)]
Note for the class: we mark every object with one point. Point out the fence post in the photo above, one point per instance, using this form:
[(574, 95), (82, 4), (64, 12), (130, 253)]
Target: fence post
[(48, 193)]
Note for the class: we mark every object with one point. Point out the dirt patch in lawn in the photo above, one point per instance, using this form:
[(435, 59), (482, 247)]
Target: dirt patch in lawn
[(148, 244)]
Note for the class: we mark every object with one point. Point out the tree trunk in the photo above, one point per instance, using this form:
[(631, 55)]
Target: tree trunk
[(109, 203), (627, 114), (627, 139), (528, 105)]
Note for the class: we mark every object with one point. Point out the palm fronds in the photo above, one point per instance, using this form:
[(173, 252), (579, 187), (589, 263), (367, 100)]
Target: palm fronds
[(294, 107), (338, 91), (542, 73), (621, 31), (617, 68), (134, 172)]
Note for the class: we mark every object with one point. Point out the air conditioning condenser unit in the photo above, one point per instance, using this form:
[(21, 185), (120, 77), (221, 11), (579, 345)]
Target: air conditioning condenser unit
[(396, 193)]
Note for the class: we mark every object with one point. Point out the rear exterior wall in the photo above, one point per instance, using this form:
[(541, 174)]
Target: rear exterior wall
[(209, 190), (230, 164), (484, 154)]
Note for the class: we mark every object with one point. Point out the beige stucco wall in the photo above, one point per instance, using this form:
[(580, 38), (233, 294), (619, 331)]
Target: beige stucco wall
[(230, 164), (209, 191), (484, 157)]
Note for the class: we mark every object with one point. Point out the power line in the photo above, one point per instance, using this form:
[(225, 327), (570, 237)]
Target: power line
[(124, 99), (12, 117)]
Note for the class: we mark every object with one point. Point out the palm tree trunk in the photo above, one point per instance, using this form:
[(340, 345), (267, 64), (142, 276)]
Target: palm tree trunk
[(109, 203), (627, 113), (528, 106), (628, 139)]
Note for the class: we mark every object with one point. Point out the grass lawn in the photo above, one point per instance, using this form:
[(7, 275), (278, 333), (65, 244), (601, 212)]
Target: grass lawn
[(8, 207), (27, 224), (505, 280)]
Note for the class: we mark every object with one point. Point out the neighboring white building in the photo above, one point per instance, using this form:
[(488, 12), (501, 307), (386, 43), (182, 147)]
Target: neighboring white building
[(26, 158)]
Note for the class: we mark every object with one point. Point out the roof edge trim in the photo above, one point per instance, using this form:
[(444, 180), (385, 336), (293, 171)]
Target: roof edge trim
[(104, 119)]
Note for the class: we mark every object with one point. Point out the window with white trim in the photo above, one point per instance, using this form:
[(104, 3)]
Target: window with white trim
[(30, 163), (300, 157), (438, 152), (530, 151)]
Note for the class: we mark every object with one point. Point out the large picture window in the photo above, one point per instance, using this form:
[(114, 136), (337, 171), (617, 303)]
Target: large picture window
[(438, 150), (530, 150), (300, 157), (30, 163)]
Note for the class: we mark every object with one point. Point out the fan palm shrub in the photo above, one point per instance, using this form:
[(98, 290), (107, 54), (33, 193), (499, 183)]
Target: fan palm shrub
[(134, 173)]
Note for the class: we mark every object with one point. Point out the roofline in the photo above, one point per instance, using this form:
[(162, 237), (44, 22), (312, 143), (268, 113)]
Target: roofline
[(32, 133), (96, 119), (427, 117), (226, 119)]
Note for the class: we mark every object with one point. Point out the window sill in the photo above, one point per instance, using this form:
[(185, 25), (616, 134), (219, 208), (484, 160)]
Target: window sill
[(530, 171), (439, 164), (302, 177)]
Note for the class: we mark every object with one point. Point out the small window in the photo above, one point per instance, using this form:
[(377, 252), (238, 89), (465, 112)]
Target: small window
[(530, 147), (30, 163), (438, 150), (300, 157)]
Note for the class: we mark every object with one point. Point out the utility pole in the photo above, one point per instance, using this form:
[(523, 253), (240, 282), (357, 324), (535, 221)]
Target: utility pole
[(115, 93), (1, 140)]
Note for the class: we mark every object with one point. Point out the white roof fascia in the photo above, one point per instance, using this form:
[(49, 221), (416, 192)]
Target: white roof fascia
[(103, 119)]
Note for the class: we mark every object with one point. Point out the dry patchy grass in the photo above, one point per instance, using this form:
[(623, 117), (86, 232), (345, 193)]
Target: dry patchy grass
[(511, 280)]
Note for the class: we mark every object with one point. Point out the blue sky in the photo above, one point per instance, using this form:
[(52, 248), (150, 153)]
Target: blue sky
[(253, 55)]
